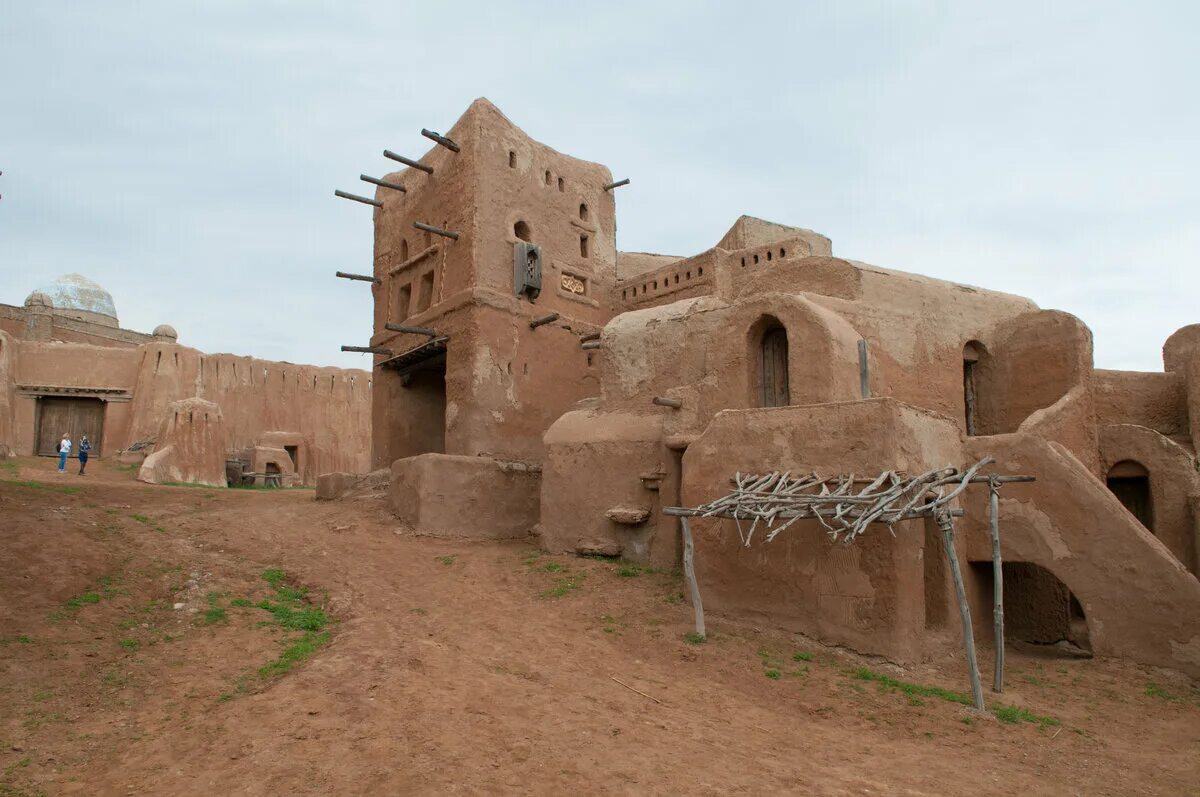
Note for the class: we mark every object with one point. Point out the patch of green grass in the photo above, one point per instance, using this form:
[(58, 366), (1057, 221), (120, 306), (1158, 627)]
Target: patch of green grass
[(1154, 690), (126, 468), (53, 488), (273, 576), (241, 602), (531, 558), (1007, 714), (215, 614), (673, 598), (693, 638), (299, 650), (774, 675), (130, 644), (564, 585), (225, 697), (910, 689), (10, 467), (801, 655), (1014, 714), (140, 518), (420, 611), (552, 567), (24, 639), (446, 560), (285, 593), (629, 570), (289, 615), (42, 696)]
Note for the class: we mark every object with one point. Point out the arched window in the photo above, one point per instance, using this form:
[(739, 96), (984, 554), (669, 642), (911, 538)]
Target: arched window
[(972, 353), (521, 230), (773, 365), (1129, 481), (403, 250)]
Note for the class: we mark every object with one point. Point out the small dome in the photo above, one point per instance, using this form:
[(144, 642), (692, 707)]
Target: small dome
[(75, 292), (166, 331), (38, 299)]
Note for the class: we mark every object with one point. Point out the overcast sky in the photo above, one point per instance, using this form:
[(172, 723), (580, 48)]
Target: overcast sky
[(184, 155)]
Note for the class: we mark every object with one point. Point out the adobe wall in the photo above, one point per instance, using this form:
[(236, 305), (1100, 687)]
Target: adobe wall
[(1140, 602), (330, 407), (600, 461), (870, 594), (1031, 362), (1157, 401), (504, 382), (8, 366), (1174, 483)]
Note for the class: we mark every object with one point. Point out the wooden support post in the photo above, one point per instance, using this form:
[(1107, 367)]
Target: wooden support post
[(589, 336), (412, 330), (383, 183), (387, 153), (440, 139), (543, 320), (690, 573), (997, 585), (617, 184), (360, 277), (358, 198), (663, 401), (436, 230), (368, 350), (864, 373), (591, 344), (946, 523)]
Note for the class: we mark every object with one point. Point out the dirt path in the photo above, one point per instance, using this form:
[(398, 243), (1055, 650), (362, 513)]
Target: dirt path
[(458, 667)]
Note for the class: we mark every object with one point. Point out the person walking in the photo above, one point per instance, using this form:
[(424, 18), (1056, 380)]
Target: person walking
[(84, 448), (64, 451)]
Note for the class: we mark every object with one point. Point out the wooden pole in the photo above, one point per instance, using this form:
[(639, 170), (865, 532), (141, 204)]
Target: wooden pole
[(387, 153), (617, 184), (864, 373), (357, 198), (997, 585), (384, 183), (690, 572), (663, 401), (946, 523), (440, 139), (359, 277)]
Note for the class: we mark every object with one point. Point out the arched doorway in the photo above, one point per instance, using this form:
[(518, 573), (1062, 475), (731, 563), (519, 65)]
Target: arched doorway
[(972, 353), (1129, 481), (773, 365)]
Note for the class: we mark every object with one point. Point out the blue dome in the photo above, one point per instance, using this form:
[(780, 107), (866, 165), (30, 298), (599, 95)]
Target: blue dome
[(77, 292)]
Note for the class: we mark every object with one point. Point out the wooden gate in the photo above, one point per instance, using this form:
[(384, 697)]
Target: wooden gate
[(75, 416)]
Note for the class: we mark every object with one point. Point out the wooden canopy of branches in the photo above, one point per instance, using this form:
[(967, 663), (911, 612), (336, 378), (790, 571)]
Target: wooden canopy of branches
[(846, 506)]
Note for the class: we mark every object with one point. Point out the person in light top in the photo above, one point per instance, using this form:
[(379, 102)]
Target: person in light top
[(64, 451)]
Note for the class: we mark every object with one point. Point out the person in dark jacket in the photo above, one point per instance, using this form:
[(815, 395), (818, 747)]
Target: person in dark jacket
[(84, 449)]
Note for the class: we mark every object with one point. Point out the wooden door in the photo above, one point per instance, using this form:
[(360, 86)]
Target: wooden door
[(75, 416), (775, 368)]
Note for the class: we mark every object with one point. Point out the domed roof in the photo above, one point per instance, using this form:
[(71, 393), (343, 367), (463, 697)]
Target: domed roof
[(77, 292), (165, 331)]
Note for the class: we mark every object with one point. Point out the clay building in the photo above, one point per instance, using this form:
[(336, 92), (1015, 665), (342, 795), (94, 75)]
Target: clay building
[(520, 394), (66, 365)]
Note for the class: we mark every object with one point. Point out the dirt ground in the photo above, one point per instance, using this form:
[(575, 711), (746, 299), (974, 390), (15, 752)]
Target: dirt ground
[(371, 661)]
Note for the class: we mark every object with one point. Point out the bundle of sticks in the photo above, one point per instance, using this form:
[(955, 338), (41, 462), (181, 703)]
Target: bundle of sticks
[(844, 505)]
